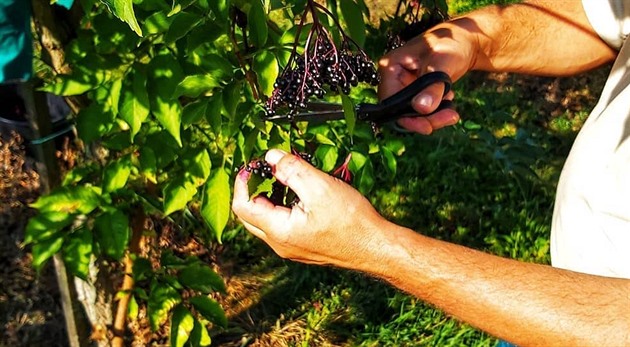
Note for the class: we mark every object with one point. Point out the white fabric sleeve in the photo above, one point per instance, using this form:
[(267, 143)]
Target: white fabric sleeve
[(610, 19)]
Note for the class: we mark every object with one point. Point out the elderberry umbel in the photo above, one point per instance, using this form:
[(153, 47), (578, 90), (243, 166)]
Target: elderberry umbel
[(322, 67), (260, 168)]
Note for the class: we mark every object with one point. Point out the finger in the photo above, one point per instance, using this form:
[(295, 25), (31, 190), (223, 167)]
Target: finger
[(396, 71), (419, 125), (259, 211), (426, 125), (429, 99), (297, 174)]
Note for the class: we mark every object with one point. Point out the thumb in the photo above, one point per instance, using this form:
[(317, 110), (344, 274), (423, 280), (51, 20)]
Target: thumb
[(295, 173)]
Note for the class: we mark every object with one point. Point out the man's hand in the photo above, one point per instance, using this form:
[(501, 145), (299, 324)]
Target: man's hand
[(332, 224), (445, 48)]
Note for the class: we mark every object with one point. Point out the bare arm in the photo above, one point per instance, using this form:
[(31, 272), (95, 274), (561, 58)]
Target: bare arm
[(551, 37), (527, 304)]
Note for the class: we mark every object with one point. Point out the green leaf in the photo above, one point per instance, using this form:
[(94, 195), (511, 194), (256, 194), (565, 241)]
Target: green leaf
[(194, 112), (353, 17), (46, 224), (257, 185), (93, 122), (141, 269), (195, 85), (116, 174), (215, 208), (202, 278), (220, 9), (157, 23), (327, 155), (389, 161), (165, 75), (182, 23), (133, 309), (197, 163), (168, 114), (232, 94), (199, 336), (123, 9), (257, 24), (365, 180), (357, 161), (213, 112), (112, 233), (161, 300), (80, 199), (134, 104), (67, 85), (148, 164), (177, 194), (78, 251), (349, 113), (266, 67), (209, 309), (45, 249), (182, 324)]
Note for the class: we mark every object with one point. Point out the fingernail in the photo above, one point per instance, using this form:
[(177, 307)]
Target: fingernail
[(273, 156), (423, 100)]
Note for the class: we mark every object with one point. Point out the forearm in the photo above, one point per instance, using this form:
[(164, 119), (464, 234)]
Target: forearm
[(535, 37), (528, 304)]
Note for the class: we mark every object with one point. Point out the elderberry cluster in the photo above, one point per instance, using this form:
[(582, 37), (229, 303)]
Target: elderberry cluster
[(260, 168), (322, 68)]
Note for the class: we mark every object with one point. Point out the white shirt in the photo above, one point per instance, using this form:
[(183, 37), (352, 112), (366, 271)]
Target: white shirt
[(591, 222)]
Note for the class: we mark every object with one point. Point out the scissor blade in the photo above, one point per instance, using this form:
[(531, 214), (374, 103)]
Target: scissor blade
[(320, 116)]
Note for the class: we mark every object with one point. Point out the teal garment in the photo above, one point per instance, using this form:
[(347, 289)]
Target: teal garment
[(65, 3), (16, 46)]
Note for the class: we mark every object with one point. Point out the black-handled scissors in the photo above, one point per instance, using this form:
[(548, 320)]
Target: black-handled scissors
[(388, 110)]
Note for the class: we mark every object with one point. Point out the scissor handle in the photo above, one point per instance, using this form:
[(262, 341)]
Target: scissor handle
[(399, 104)]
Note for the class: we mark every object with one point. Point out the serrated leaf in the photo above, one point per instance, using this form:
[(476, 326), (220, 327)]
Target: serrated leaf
[(257, 24), (349, 113), (202, 278), (266, 67), (353, 17), (123, 9), (133, 309), (161, 300), (194, 112), (257, 185), (45, 249), (327, 157), (46, 224), (389, 161), (93, 122), (80, 199), (134, 104), (182, 23), (177, 194), (182, 324), (197, 163), (365, 179), (199, 336), (148, 164), (112, 233), (215, 208), (116, 174), (195, 85), (168, 114), (68, 85), (210, 309), (77, 252)]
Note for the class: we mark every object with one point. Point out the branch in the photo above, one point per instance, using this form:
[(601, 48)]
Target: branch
[(120, 319)]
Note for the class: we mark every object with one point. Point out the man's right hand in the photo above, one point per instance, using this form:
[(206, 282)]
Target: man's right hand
[(447, 47)]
